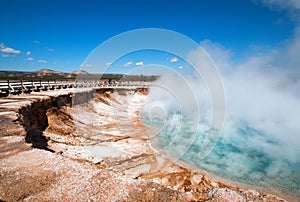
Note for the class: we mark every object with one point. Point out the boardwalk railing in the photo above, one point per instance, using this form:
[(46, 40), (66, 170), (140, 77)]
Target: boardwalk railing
[(8, 87)]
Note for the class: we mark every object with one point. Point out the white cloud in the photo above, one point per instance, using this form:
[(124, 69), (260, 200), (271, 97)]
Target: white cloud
[(128, 64), (282, 4), (30, 59), (174, 59), (86, 65), (28, 53), (5, 55), (8, 50), (108, 64), (141, 63), (51, 49), (288, 55), (42, 61), (180, 67), (36, 42)]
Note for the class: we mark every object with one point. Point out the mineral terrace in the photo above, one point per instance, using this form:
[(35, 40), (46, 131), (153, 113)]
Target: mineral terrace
[(89, 145)]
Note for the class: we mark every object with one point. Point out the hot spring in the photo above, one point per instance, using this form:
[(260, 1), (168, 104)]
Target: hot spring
[(256, 147)]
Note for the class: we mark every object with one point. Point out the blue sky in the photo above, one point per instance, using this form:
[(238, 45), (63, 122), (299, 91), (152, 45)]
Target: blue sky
[(60, 34)]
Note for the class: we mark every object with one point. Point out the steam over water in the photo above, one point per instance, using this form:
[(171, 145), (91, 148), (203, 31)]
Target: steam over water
[(259, 144)]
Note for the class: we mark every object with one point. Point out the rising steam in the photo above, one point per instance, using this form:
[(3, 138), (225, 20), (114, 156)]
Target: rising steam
[(261, 136)]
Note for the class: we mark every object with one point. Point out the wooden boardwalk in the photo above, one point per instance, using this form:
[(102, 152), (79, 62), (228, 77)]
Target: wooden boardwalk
[(14, 87)]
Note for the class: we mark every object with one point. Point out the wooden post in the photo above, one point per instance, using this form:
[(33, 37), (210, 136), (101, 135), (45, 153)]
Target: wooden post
[(22, 87), (32, 86), (8, 87)]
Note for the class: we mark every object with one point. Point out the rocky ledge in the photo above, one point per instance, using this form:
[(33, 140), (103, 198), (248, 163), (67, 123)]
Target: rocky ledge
[(89, 145)]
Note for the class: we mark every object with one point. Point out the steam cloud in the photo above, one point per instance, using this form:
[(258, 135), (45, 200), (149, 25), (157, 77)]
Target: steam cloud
[(262, 125), (262, 93)]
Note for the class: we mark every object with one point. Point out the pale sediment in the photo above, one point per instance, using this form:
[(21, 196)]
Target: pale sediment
[(91, 146)]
